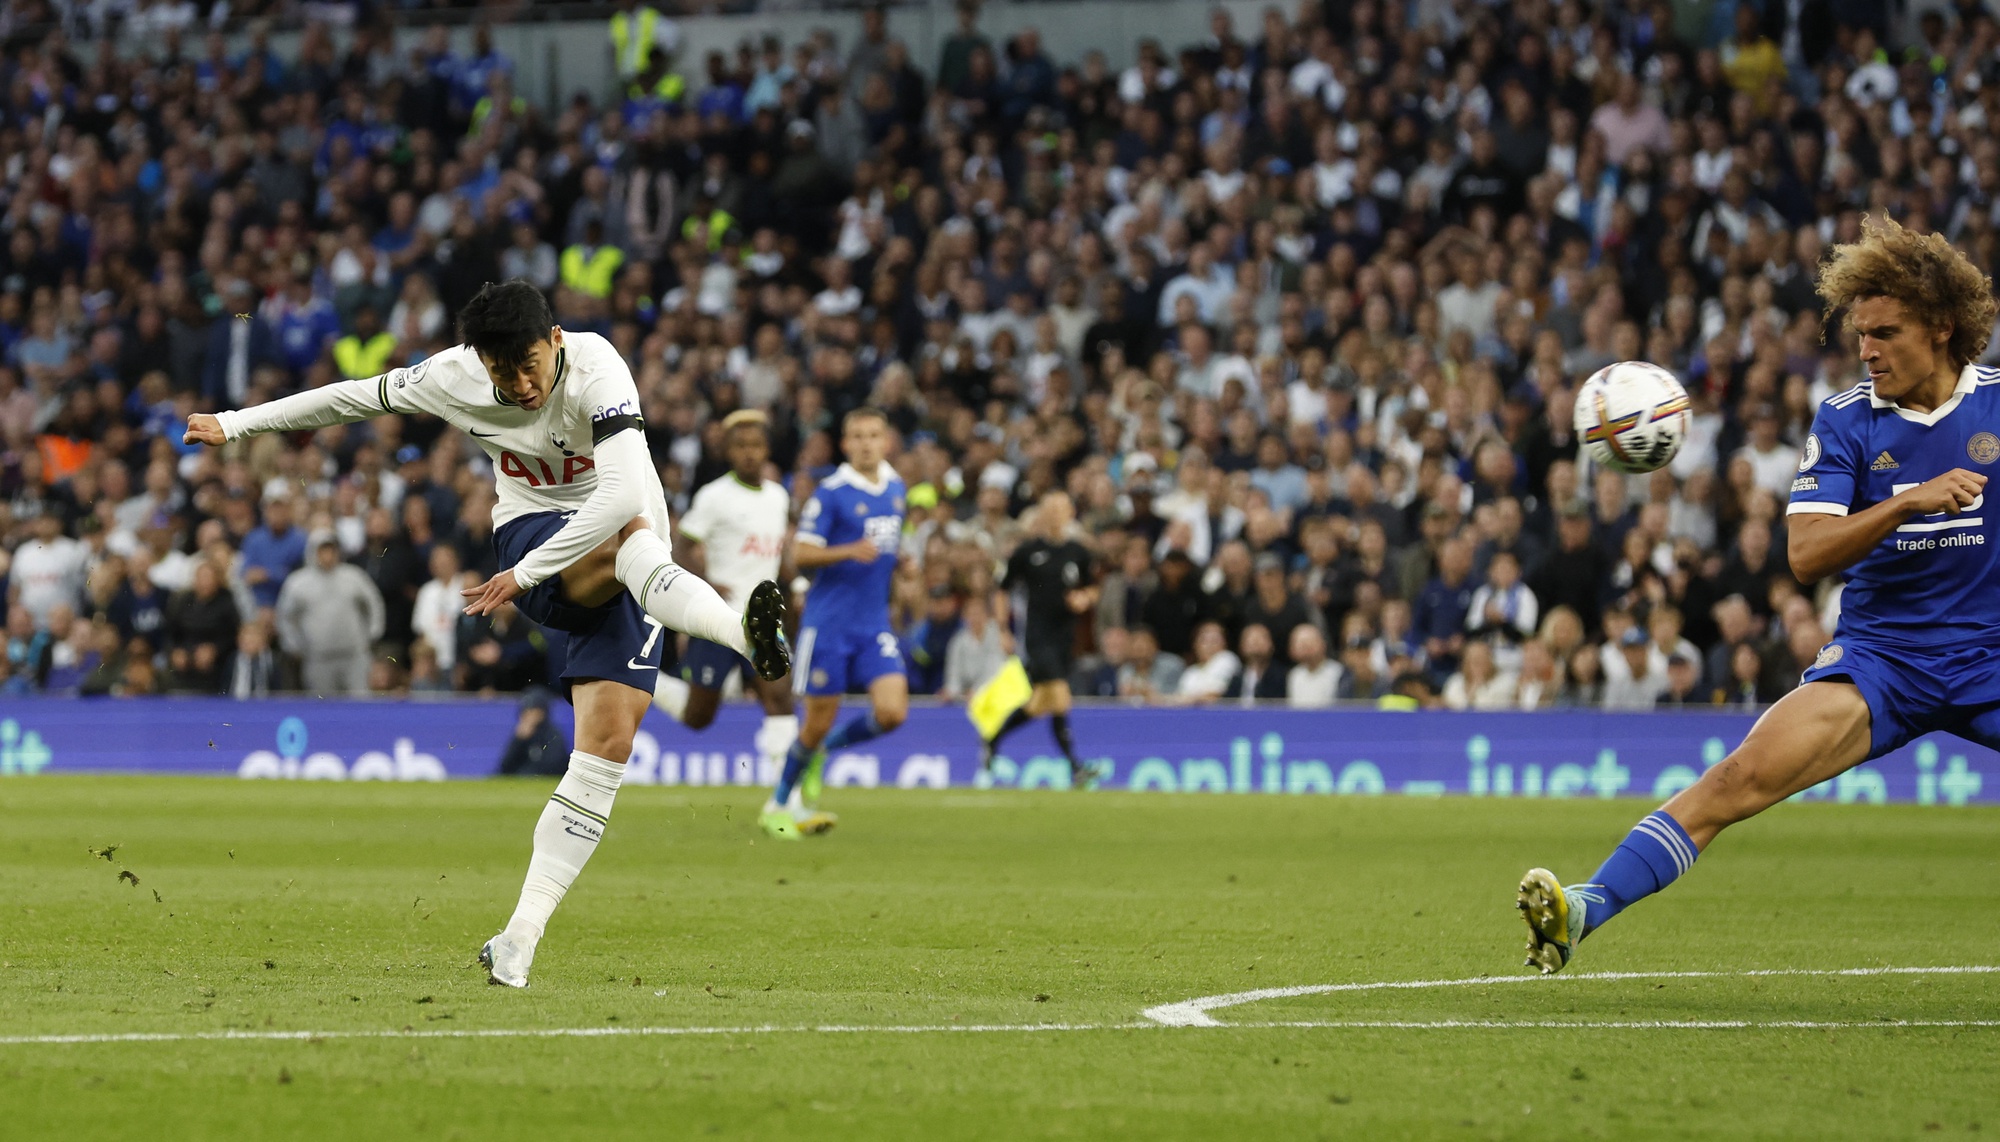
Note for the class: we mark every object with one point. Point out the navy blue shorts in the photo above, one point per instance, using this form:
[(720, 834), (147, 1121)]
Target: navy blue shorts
[(1911, 693), (616, 641), (708, 665), (836, 660)]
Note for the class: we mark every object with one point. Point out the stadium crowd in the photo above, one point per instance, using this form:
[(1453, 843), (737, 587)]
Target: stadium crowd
[(1295, 313)]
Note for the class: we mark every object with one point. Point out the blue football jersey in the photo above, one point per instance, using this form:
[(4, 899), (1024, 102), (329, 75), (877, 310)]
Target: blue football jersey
[(846, 507), (1934, 581)]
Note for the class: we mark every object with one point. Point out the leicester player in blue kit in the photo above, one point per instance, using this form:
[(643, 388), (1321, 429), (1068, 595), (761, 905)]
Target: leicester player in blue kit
[(849, 532), (1891, 491)]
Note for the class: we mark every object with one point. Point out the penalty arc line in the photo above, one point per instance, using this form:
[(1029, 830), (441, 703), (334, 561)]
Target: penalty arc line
[(1195, 1012)]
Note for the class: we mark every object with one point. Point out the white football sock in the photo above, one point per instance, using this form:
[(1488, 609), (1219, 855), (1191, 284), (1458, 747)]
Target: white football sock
[(671, 695), (568, 832), (678, 599), (774, 740)]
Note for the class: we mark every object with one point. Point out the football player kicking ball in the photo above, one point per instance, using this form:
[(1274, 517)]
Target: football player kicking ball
[(1890, 490), (1053, 572), (579, 526), (737, 525), (849, 532)]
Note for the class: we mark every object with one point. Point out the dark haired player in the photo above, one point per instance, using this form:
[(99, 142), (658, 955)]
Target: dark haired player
[(850, 532), (1891, 490), (580, 526), (1053, 572)]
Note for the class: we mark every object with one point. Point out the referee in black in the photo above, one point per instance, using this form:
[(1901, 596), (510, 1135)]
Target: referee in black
[(1054, 571)]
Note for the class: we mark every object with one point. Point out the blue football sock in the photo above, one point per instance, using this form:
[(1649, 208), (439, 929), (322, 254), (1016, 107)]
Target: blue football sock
[(856, 731), (795, 764), (1652, 856)]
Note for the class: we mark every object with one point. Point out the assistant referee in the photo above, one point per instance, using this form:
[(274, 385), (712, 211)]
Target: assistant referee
[(1054, 573)]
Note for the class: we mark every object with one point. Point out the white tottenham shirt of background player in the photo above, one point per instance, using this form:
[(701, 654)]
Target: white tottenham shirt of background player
[(544, 459), (742, 533)]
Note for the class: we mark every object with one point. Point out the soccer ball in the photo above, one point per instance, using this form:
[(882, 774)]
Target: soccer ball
[(1632, 416)]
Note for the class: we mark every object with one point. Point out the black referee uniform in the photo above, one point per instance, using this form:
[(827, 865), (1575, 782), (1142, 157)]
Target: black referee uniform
[(1047, 573)]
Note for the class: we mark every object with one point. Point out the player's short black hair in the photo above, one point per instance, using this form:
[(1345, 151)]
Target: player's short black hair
[(865, 412), (504, 320)]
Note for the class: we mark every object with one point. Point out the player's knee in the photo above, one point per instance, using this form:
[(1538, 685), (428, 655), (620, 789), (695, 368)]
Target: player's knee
[(889, 717), (697, 719), (633, 528)]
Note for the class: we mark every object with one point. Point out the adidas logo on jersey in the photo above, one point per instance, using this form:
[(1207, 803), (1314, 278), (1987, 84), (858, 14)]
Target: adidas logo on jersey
[(1883, 463)]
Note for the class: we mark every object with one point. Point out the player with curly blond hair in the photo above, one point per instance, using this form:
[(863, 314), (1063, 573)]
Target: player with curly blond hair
[(1890, 491)]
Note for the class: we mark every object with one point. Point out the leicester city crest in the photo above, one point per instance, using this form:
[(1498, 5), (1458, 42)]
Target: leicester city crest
[(1984, 448), (1828, 655)]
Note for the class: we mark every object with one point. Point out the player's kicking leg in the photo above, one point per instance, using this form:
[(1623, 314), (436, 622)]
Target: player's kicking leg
[(1052, 699), (680, 600), (1818, 731), (572, 823)]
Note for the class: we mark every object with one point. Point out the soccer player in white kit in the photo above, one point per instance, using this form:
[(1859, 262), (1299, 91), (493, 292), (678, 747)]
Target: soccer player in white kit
[(737, 524), (580, 526)]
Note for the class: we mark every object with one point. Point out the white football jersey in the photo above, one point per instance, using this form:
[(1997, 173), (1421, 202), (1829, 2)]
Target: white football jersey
[(742, 533), (544, 460)]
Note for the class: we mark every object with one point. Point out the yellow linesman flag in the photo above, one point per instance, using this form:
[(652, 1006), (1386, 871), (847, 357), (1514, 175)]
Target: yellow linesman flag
[(1005, 693)]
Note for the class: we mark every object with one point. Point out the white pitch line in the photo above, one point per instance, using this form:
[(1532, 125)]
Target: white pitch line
[(1011, 1028), (1187, 1013), (554, 1032), (1194, 1012)]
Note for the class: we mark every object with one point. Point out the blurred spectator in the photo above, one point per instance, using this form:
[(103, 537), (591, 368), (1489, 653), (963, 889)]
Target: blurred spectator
[(536, 748), (1259, 678), (271, 551), (503, 651), (30, 650), (976, 651), (1478, 684), (1097, 675), (329, 615), (438, 607), (253, 672), (201, 631), (1641, 682), (1275, 606), (1149, 673), (48, 571), (1683, 684), (1314, 680), (1211, 669)]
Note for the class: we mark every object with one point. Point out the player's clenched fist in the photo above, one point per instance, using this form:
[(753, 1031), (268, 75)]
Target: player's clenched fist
[(1954, 491), (204, 428)]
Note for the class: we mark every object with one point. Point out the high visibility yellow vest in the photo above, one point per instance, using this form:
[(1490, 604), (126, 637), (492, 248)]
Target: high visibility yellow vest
[(669, 89), (632, 36), (590, 270), (484, 108), (356, 358), (719, 222)]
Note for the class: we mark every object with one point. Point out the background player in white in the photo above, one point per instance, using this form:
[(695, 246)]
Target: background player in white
[(579, 525), (735, 532)]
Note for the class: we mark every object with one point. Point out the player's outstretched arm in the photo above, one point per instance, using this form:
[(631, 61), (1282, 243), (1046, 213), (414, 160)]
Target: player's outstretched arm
[(1820, 545), (342, 403)]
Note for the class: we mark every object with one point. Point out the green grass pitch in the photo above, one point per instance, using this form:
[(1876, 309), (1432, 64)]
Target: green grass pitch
[(271, 907)]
